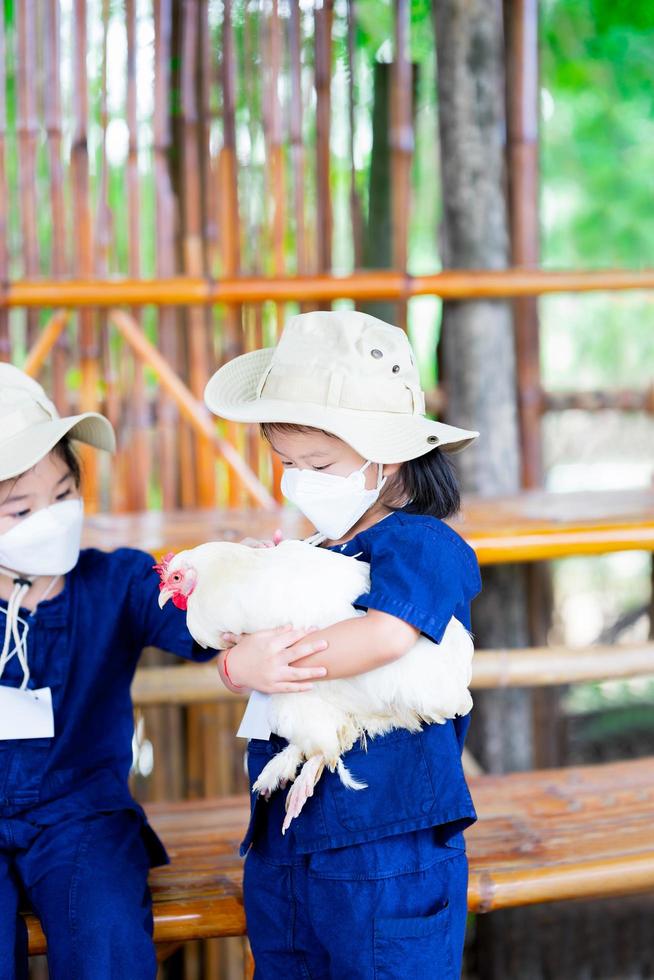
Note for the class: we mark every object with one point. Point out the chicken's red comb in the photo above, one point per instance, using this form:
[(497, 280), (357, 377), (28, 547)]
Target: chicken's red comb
[(161, 567)]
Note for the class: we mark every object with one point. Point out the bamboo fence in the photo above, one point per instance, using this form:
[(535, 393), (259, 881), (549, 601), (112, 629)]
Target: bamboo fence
[(218, 220), (170, 214)]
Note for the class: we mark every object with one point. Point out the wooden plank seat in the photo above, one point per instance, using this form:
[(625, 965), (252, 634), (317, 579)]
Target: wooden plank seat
[(579, 832), (529, 526)]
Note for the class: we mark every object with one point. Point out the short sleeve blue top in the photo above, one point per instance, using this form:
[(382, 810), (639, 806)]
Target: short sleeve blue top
[(423, 572), (84, 644)]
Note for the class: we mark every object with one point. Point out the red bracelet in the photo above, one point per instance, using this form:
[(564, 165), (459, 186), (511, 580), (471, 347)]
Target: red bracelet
[(227, 653)]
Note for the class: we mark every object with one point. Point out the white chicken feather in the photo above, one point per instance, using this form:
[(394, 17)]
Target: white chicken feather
[(233, 588)]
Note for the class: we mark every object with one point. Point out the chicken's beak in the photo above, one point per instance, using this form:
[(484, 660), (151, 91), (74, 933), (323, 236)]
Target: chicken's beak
[(164, 596)]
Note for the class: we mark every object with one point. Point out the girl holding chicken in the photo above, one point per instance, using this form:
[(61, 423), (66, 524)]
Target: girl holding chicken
[(73, 842), (372, 883)]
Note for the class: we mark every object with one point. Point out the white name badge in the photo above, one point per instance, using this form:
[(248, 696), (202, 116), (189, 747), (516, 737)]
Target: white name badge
[(26, 714), (255, 722)]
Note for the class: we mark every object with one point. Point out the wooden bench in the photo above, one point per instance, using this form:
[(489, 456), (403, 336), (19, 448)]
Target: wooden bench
[(577, 832), (582, 832), (531, 526)]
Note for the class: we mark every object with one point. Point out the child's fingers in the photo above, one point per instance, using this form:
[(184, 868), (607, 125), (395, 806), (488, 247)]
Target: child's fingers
[(305, 649), (286, 636)]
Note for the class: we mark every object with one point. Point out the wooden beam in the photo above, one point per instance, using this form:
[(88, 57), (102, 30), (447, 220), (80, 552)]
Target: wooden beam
[(190, 407), (530, 667), (451, 284)]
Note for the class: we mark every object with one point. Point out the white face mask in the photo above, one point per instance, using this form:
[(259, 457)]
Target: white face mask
[(333, 504), (45, 543)]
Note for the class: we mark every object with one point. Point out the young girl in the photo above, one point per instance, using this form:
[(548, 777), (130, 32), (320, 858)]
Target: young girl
[(368, 883), (73, 843)]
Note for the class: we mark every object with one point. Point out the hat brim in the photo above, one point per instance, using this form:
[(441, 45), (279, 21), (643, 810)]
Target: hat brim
[(28, 447), (383, 437)]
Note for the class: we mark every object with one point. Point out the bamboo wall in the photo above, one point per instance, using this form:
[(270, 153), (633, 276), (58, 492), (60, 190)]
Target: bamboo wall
[(194, 138)]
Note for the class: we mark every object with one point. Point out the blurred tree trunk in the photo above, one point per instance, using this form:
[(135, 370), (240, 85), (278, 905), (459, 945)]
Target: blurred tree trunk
[(477, 351), (477, 366), (378, 232)]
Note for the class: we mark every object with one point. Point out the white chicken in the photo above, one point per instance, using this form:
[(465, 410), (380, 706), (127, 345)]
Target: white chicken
[(233, 588)]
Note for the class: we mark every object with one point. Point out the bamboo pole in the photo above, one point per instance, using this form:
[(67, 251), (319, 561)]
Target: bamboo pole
[(529, 667), (138, 449), (323, 61), (5, 342), (296, 138), (549, 666), (27, 130), (46, 342), (276, 148), (52, 109), (167, 416), (79, 169), (101, 249), (356, 211), (232, 333), (275, 155), (523, 185), (192, 243), (381, 284), (616, 399), (401, 143), (191, 408)]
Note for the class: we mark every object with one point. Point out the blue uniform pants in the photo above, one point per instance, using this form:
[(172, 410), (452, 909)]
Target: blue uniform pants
[(382, 910), (86, 879)]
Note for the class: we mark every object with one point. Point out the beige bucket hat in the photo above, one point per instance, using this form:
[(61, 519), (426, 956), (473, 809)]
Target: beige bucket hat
[(345, 372), (30, 425)]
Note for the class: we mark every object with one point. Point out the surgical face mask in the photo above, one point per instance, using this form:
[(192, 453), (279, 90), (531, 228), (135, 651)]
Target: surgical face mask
[(45, 543), (333, 504)]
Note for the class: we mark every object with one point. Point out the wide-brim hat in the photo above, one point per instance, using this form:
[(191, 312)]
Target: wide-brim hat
[(345, 372), (30, 425)]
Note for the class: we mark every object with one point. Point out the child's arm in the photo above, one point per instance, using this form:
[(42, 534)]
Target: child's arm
[(352, 647), (358, 645)]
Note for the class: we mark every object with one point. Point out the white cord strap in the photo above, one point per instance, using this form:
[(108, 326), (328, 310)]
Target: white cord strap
[(12, 631), (14, 621)]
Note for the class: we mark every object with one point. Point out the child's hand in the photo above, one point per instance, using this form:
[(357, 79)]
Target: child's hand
[(262, 661), (255, 543)]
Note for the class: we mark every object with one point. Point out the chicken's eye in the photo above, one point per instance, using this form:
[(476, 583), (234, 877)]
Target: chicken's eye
[(176, 577)]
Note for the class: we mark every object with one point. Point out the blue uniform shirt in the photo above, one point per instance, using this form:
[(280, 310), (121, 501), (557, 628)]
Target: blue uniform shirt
[(424, 573), (84, 644)]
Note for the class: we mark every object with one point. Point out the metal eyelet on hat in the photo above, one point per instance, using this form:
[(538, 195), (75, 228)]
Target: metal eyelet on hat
[(432, 440), (396, 368), (376, 353)]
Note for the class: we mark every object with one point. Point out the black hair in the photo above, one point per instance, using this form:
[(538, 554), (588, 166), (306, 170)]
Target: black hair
[(267, 429), (64, 449), (426, 485)]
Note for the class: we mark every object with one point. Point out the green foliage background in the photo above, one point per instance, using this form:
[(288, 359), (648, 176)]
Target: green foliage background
[(597, 131)]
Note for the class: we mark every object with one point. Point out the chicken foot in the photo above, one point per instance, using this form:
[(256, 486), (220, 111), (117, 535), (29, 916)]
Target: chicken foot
[(302, 788), (279, 771)]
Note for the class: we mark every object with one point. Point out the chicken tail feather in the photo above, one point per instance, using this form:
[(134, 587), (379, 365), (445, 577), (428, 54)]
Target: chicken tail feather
[(347, 778)]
